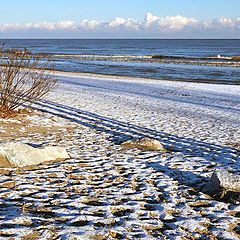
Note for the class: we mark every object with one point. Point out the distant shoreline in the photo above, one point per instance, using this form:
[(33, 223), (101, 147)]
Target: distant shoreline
[(190, 39)]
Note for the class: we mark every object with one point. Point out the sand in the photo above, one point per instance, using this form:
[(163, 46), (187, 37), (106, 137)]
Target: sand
[(105, 191)]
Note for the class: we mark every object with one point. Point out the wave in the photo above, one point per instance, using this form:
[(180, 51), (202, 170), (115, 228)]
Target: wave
[(101, 56), (223, 61), (218, 57)]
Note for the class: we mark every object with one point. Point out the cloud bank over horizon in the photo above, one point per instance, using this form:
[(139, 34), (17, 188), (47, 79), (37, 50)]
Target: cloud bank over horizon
[(151, 26)]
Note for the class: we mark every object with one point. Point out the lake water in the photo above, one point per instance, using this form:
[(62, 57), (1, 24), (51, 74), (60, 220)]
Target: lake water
[(194, 60)]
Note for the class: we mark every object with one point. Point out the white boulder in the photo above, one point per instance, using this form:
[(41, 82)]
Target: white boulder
[(21, 155)]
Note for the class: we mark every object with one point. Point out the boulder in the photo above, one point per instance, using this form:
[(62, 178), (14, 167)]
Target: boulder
[(22, 155), (144, 144), (223, 181)]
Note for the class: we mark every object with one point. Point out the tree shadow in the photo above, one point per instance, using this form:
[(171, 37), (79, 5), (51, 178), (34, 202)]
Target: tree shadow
[(120, 131)]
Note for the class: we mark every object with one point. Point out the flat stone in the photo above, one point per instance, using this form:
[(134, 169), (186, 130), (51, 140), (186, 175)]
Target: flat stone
[(22, 155)]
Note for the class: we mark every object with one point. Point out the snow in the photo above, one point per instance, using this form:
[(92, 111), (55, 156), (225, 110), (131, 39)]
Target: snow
[(79, 197)]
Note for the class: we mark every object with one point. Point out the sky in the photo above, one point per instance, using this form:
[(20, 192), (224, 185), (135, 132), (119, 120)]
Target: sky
[(120, 19)]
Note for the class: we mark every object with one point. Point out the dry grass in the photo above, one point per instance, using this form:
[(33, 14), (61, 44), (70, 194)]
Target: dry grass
[(20, 126), (32, 236), (235, 145), (98, 237), (200, 204), (6, 113), (10, 184), (120, 211)]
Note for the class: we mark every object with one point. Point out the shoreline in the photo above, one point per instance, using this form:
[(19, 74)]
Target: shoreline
[(118, 77)]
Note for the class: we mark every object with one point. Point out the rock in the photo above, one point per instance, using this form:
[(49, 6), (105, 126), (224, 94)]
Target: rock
[(144, 144), (115, 234), (54, 119), (21, 155), (223, 180)]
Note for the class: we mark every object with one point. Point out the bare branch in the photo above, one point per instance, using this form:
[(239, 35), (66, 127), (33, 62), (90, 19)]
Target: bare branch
[(21, 78)]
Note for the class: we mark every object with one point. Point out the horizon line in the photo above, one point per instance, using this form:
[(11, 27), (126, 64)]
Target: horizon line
[(42, 38)]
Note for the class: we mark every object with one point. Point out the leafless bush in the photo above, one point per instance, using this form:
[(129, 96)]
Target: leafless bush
[(23, 79)]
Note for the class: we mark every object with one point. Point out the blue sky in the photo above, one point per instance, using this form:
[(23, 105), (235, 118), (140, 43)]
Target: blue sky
[(55, 10), (18, 13)]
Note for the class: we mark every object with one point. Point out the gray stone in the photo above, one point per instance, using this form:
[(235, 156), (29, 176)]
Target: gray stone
[(223, 180)]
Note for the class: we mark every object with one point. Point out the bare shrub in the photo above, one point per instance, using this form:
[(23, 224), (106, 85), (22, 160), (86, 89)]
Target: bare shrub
[(23, 79)]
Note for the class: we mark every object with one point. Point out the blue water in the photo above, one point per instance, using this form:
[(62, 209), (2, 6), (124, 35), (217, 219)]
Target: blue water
[(138, 47)]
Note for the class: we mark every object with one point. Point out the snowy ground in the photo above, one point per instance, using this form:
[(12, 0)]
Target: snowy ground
[(106, 192)]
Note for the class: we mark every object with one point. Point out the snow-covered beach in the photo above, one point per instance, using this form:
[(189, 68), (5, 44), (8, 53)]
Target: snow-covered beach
[(105, 191)]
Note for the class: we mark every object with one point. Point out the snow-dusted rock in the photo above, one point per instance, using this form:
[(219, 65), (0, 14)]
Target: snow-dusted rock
[(223, 180), (21, 155), (144, 144)]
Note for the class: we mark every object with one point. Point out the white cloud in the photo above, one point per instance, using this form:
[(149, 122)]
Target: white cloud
[(223, 23), (127, 23), (151, 26), (69, 25), (88, 25), (174, 23)]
